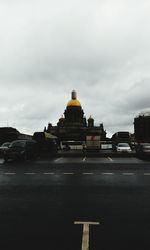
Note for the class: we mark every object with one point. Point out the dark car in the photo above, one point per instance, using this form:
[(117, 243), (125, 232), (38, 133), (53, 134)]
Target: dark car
[(21, 149), (143, 150), (3, 148)]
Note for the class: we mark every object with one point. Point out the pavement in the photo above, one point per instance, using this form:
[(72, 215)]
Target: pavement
[(77, 203), (101, 153)]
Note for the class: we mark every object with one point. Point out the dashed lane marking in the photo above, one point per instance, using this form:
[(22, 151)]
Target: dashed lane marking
[(110, 159), (72, 173), (84, 159), (107, 173), (50, 173), (128, 173), (58, 159), (9, 173), (30, 173)]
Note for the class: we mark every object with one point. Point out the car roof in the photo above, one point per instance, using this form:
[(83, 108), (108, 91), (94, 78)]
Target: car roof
[(125, 143), (6, 143)]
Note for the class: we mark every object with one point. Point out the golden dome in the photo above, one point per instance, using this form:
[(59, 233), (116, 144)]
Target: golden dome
[(74, 102)]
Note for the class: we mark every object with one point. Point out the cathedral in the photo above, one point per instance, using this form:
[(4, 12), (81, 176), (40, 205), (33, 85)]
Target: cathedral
[(73, 125)]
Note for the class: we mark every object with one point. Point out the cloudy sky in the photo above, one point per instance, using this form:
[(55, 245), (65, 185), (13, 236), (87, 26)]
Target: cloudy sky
[(100, 48)]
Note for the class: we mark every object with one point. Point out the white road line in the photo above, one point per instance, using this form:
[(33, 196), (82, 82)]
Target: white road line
[(68, 173), (110, 159), (30, 173), (107, 173), (87, 173), (128, 173), (10, 173), (49, 173), (58, 159), (84, 159), (146, 173)]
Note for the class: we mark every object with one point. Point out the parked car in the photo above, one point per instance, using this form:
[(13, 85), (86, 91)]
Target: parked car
[(123, 148), (21, 149), (143, 150), (66, 148), (3, 148)]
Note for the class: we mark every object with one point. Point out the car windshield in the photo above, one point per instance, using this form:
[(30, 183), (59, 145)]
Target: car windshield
[(123, 145), (18, 144)]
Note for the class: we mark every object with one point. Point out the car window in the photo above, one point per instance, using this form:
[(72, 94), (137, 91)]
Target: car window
[(18, 144), (5, 144), (123, 145)]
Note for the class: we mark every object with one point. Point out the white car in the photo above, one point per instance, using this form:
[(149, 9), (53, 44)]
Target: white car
[(123, 148)]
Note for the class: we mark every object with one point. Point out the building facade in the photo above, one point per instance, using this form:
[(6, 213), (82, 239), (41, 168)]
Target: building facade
[(142, 127), (73, 125)]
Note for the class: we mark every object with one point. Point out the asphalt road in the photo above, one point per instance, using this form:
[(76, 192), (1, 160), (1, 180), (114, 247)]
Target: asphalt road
[(56, 204)]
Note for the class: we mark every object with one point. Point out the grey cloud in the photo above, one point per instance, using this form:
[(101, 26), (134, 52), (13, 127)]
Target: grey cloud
[(48, 48), (136, 97)]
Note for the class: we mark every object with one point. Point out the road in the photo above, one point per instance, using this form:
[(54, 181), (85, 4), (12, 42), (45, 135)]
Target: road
[(58, 203)]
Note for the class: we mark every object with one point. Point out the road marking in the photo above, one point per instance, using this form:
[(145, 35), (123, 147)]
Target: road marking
[(107, 173), (87, 173), (10, 173), (58, 159), (146, 173), (30, 173), (68, 173), (84, 159), (49, 173), (85, 236), (128, 173), (109, 158)]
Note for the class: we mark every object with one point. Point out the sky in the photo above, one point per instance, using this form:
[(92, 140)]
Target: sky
[(100, 48)]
